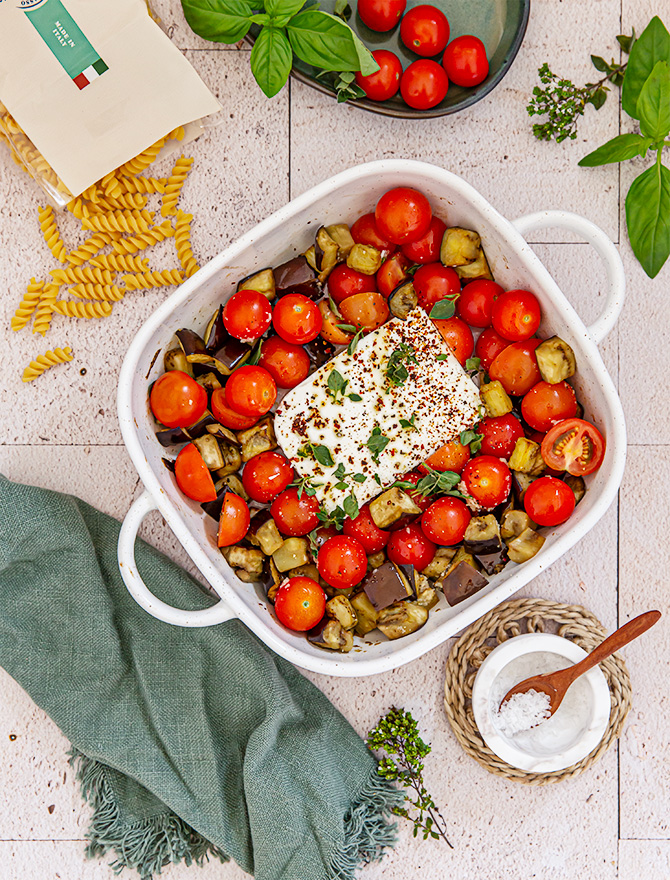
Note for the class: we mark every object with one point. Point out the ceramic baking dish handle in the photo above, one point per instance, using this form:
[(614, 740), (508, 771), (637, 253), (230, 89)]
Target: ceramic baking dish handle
[(616, 281), (139, 590)]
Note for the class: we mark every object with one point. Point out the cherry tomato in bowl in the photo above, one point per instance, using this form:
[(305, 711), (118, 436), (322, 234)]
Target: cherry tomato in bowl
[(300, 603), (458, 337), (364, 231), (427, 248), (266, 475), (381, 15), (409, 546), (226, 415), (425, 30), (516, 315), (193, 476), (342, 562), (434, 282), (297, 319), (391, 272), (403, 214), (575, 446), (330, 329), (344, 281), (251, 391), (233, 521), (465, 61), (366, 531), (548, 501), (288, 364), (545, 405), (475, 304), (516, 367), (383, 84), (445, 521), (489, 345), (488, 480), (424, 84), (295, 514), (453, 456), (177, 400), (499, 435), (247, 315), (365, 310)]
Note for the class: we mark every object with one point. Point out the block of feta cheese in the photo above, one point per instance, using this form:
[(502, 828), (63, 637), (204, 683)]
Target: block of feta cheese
[(379, 412)]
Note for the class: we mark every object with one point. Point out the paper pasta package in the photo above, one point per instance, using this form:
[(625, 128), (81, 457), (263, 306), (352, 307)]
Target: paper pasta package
[(88, 85)]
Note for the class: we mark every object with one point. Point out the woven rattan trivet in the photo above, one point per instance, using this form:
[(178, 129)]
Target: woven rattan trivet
[(504, 622)]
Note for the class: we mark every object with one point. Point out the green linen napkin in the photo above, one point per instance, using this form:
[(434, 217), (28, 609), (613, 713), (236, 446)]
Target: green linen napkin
[(189, 742)]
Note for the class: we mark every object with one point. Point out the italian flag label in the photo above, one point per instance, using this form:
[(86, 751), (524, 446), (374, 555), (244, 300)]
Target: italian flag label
[(67, 41)]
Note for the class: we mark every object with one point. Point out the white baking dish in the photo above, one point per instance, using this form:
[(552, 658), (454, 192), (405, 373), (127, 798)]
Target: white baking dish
[(291, 230)]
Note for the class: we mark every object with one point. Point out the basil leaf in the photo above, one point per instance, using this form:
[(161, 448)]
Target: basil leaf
[(651, 46), (222, 21), (624, 146), (277, 8), (648, 218), (445, 308), (350, 506), (348, 328), (366, 61), (271, 60), (323, 456), (653, 105), (323, 41)]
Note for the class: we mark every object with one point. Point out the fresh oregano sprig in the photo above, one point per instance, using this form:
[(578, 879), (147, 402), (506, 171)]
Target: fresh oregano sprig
[(397, 734)]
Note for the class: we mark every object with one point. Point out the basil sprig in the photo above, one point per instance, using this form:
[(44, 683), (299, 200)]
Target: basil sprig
[(287, 29)]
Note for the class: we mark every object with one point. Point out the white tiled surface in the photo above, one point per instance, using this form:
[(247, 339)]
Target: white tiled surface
[(61, 432)]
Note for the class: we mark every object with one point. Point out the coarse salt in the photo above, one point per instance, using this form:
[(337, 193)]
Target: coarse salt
[(523, 711)]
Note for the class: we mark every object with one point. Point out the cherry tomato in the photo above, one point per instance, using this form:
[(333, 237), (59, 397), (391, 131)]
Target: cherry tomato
[(234, 520), (344, 282), (288, 364), (445, 521), (465, 61), (329, 328), (545, 405), (488, 480), (475, 303), (391, 273), (297, 319), (381, 15), (425, 30), (295, 516), (453, 456), (300, 603), (548, 501), (427, 248), (365, 310), (266, 475), (434, 282), (403, 215), (424, 84), (383, 84), (489, 345), (516, 315), (458, 337), (193, 476), (227, 416), (574, 446), (250, 391), (364, 529), (364, 231), (342, 562), (177, 400), (409, 546), (247, 315), (516, 367), (499, 435)]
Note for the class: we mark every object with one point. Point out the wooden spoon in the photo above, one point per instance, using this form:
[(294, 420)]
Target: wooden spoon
[(556, 684)]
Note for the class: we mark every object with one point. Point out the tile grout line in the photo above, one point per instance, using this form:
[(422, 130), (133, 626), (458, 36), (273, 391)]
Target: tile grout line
[(290, 101)]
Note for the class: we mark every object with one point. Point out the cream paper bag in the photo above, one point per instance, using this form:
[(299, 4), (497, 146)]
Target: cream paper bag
[(93, 83)]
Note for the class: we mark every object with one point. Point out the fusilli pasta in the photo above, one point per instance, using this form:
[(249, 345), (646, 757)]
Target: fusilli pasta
[(145, 280), (182, 240), (100, 292), (119, 221), (121, 263), (28, 304), (44, 309), (139, 184), (135, 243), (174, 184), (45, 361), (90, 247), (82, 310), (51, 233), (75, 274)]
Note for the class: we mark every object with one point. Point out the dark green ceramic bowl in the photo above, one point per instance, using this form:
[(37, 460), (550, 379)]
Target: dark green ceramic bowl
[(500, 24)]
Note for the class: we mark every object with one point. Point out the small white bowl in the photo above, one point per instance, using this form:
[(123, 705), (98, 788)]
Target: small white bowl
[(571, 733)]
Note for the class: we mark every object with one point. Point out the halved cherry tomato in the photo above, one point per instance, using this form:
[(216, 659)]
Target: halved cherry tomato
[(385, 82), (344, 282), (364, 231), (234, 520), (575, 446), (342, 562), (381, 15), (475, 304), (434, 282), (296, 318), (545, 405), (365, 310), (177, 400), (409, 546), (424, 84), (288, 364), (548, 501), (516, 367), (489, 345), (403, 215), (427, 248), (247, 315), (329, 329), (488, 480), (364, 529), (251, 391), (465, 61), (516, 315), (193, 476), (499, 435), (300, 603), (295, 516), (391, 273), (226, 415), (453, 456), (425, 30), (445, 521), (266, 475), (458, 337)]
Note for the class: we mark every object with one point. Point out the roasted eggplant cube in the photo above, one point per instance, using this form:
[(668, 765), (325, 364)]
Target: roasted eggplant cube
[(297, 276), (577, 485), (340, 608), (385, 585), (426, 595), (309, 571), (341, 234), (461, 582), (520, 482), (401, 619), (440, 562), (390, 506), (496, 400), (556, 360), (260, 438), (268, 537), (223, 433), (459, 246), (514, 522), (246, 558), (319, 351), (331, 634), (292, 553), (232, 460), (175, 359), (326, 252), (376, 559), (275, 580), (259, 518), (232, 353), (403, 299), (364, 258), (190, 342), (482, 535), (366, 614), (172, 436), (209, 381), (525, 546), (210, 451), (479, 268), (263, 282), (527, 458)]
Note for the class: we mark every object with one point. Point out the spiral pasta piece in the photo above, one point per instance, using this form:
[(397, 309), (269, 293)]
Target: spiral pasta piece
[(145, 280), (121, 263), (174, 184), (139, 184), (135, 243), (119, 221), (141, 161), (51, 233), (82, 310), (44, 362), (75, 274), (100, 292), (182, 240), (28, 304), (126, 201), (177, 134), (44, 309), (90, 247)]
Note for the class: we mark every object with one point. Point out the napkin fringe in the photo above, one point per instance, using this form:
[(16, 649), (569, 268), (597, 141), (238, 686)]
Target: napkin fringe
[(367, 830), (147, 845)]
